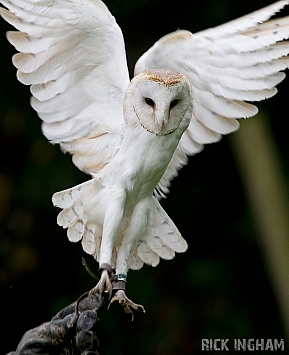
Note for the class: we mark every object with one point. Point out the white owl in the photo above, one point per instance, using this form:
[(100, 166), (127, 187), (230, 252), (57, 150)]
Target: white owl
[(132, 137)]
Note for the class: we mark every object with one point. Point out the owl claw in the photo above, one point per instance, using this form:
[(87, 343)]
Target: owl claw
[(104, 284), (126, 303), (115, 284)]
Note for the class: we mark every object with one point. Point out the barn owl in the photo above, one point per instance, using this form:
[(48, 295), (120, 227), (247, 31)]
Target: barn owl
[(132, 137)]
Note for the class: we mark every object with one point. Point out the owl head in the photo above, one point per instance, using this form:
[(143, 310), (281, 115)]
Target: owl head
[(160, 100)]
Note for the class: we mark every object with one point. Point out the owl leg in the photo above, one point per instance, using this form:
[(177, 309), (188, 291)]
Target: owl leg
[(111, 223), (118, 289), (135, 229)]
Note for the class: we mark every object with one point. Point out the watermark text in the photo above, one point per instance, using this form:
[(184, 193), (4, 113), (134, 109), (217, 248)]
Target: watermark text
[(243, 344)]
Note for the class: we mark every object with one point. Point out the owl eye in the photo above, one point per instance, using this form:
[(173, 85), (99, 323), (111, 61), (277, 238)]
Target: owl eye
[(149, 101), (174, 103)]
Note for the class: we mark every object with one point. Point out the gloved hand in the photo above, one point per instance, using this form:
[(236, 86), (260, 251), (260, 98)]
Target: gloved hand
[(71, 331)]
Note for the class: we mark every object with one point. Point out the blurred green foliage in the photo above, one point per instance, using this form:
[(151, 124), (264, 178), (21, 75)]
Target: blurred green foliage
[(218, 289)]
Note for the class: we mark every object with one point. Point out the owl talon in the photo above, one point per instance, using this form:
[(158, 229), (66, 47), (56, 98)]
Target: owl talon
[(104, 284), (126, 303)]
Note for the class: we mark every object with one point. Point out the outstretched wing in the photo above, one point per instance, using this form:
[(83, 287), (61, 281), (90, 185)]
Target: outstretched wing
[(227, 66), (72, 54)]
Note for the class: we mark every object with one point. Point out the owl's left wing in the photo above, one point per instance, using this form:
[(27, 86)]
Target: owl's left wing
[(227, 66)]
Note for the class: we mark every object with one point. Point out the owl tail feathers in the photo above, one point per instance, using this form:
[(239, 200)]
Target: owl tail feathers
[(73, 216), (162, 238)]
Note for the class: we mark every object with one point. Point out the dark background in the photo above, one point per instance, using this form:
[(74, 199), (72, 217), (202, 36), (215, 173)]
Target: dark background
[(219, 288)]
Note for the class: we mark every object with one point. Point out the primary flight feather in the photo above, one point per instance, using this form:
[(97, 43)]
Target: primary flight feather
[(133, 136)]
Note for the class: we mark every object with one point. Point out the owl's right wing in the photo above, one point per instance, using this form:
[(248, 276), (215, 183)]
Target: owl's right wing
[(72, 54), (227, 66)]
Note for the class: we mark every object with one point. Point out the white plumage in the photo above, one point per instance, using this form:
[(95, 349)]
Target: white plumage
[(121, 194), (132, 137)]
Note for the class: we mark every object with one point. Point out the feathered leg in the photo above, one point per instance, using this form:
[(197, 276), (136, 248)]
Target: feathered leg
[(111, 223), (136, 228)]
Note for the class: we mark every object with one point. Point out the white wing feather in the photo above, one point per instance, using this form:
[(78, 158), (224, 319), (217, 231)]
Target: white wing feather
[(72, 54), (228, 65)]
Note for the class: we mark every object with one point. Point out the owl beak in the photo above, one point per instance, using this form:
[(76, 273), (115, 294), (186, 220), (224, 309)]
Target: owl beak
[(160, 126), (162, 119)]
